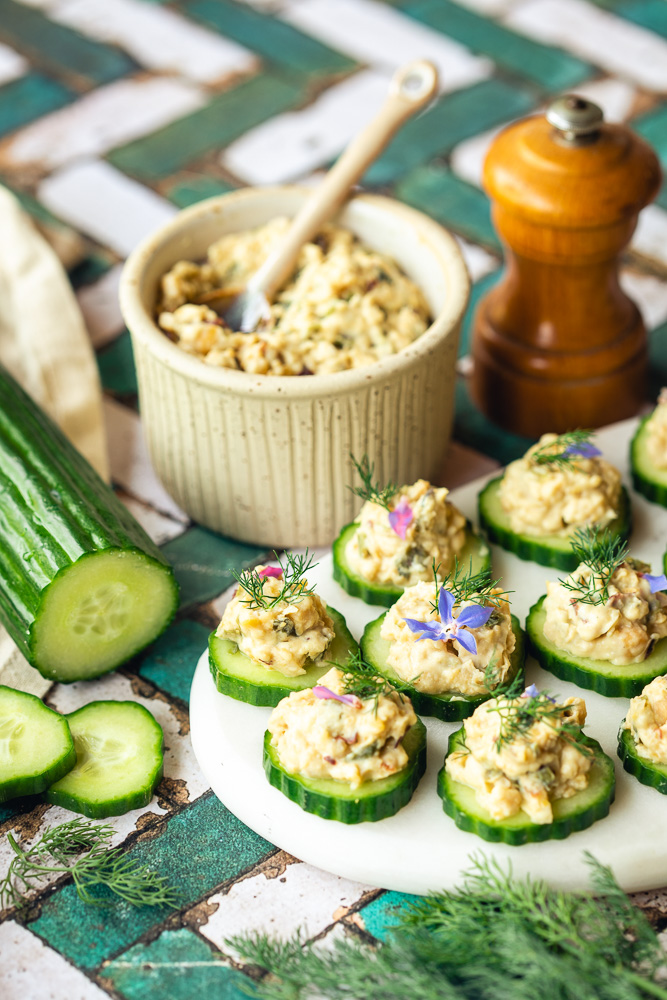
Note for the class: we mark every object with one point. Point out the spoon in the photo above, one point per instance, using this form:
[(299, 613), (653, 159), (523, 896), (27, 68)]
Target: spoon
[(411, 87)]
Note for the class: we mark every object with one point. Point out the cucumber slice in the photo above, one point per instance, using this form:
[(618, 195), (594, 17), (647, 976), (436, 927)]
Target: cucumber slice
[(475, 550), (646, 478), (450, 707), (547, 550), (119, 760), (649, 772), (36, 746), (610, 679), (570, 815), (246, 680), (370, 802)]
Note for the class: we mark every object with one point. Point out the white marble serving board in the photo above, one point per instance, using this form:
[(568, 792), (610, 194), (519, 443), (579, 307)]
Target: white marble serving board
[(420, 849)]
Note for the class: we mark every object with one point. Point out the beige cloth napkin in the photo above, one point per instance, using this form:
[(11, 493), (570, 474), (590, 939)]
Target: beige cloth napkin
[(45, 345)]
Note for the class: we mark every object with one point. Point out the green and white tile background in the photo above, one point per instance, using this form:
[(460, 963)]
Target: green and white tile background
[(113, 115)]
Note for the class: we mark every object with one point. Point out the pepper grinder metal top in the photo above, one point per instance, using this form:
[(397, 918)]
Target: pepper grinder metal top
[(557, 344)]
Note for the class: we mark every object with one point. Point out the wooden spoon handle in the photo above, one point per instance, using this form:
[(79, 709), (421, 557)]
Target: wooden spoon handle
[(410, 89)]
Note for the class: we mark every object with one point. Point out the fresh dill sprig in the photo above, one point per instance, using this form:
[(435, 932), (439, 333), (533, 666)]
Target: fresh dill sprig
[(466, 585), (494, 938), (361, 680), (565, 449), (81, 849), (603, 553), (370, 491), (293, 588), (520, 710)]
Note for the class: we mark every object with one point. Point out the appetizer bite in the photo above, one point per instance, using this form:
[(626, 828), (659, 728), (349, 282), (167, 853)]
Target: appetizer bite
[(520, 770), (276, 635), (642, 740), (398, 534), (351, 748), (601, 627), (561, 484), (448, 644), (648, 454)]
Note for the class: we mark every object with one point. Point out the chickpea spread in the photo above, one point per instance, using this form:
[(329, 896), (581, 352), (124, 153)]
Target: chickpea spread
[(656, 426), (345, 306), (350, 740), (647, 721), (529, 771)]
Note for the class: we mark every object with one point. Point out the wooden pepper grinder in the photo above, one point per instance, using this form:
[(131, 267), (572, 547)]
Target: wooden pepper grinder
[(557, 344)]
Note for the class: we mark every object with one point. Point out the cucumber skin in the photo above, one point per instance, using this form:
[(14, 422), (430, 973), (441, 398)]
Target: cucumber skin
[(532, 550), (34, 784), (438, 706), (531, 833), (652, 490), (71, 514), (365, 808), (373, 593), (268, 696), (646, 771)]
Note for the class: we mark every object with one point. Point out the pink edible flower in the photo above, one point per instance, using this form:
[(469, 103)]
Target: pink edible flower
[(270, 571), (320, 691), (400, 518)]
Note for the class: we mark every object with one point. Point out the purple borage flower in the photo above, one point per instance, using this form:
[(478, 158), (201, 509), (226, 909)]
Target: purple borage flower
[(656, 583), (449, 627), (270, 571), (533, 692), (400, 518), (585, 450), (320, 691)]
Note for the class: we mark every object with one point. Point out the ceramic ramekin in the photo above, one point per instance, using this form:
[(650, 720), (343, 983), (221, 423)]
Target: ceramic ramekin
[(265, 458)]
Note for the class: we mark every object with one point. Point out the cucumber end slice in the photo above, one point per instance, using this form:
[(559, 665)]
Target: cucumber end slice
[(36, 746)]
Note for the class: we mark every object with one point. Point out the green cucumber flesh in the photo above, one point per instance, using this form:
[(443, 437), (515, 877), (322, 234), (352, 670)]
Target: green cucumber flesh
[(547, 550), (610, 679), (646, 478), (475, 551), (578, 812), (236, 675), (649, 772), (36, 746), (119, 760), (369, 802), (452, 706)]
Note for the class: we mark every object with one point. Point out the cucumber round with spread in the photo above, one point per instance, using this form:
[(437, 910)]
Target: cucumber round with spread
[(610, 679), (118, 760), (646, 478), (450, 707), (247, 680), (649, 772), (547, 550), (475, 552), (369, 802), (36, 746), (578, 812)]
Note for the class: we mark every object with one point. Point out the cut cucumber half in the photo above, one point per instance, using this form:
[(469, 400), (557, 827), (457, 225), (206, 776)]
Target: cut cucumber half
[(246, 680), (36, 746), (610, 679), (547, 550), (118, 760), (570, 815), (370, 802), (649, 772), (450, 707), (475, 551), (646, 478)]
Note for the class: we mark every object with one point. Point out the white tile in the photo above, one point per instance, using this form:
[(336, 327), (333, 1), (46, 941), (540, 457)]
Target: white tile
[(650, 238), (612, 42), (303, 898), (101, 201), (290, 145), (129, 461), (375, 33), (160, 528), (107, 117), (614, 96), (649, 293), (101, 311), (467, 159), (157, 37), (12, 65), (478, 261), (30, 969)]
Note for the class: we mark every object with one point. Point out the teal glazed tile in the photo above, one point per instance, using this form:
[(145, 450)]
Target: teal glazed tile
[(223, 119), (202, 562), (178, 966), (171, 661), (30, 97), (274, 40), (471, 427), (199, 848), (549, 68), (456, 204), (116, 366), (58, 48), (454, 117), (384, 912), (651, 14), (478, 290), (90, 269), (188, 192), (657, 353)]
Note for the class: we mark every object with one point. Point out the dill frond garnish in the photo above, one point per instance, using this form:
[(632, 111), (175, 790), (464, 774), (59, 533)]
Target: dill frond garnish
[(603, 553), (369, 490), (519, 710), (361, 680), (566, 449), (465, 585), (294, 589)]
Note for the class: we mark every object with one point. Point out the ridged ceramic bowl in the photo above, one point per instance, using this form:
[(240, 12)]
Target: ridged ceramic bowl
[(265, 458)]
